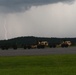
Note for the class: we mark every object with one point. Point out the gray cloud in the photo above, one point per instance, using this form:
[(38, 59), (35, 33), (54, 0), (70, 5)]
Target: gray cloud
[(49, 19), (22, 5)]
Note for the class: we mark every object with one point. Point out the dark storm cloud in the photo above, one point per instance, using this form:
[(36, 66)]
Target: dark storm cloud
[(22, 5)]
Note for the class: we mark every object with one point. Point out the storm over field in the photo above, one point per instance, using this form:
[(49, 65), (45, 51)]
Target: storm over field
[(42, 18)]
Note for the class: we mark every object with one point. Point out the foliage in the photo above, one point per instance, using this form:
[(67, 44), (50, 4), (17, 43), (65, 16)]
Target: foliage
[(20, 41)]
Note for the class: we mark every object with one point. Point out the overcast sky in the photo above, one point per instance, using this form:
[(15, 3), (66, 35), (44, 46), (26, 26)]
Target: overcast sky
[(42, 18)]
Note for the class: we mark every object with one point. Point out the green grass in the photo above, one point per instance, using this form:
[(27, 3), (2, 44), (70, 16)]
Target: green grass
[(38, 65)]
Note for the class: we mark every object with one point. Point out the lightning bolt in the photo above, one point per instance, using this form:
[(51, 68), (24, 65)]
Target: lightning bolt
[(5, 29)]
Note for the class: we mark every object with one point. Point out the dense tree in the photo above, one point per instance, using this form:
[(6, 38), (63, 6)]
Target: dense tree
[(23, 42)]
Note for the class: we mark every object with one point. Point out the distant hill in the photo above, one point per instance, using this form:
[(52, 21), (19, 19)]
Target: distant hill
[(34, 40)]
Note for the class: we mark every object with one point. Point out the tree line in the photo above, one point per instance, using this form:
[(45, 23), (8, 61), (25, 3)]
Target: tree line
[(20, 41)]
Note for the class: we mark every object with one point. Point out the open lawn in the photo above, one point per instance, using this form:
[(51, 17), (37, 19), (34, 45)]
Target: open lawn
[(38, 65)]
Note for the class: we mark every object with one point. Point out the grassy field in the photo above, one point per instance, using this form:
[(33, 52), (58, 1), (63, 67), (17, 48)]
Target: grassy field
[(38, 65)]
